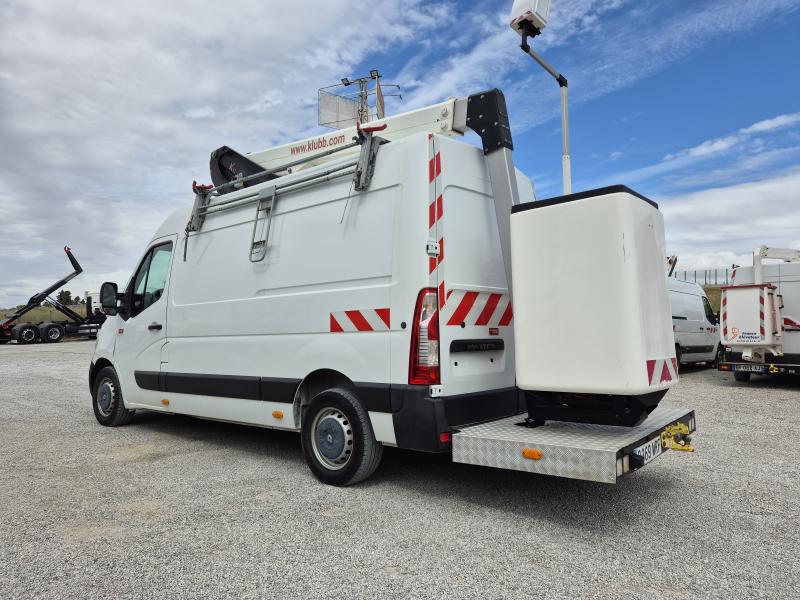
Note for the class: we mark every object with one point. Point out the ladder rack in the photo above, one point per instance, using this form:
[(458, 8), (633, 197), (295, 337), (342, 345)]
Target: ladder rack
[(265, 195)]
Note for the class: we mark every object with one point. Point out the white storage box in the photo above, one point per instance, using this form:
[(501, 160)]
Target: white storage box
[(591, 310)]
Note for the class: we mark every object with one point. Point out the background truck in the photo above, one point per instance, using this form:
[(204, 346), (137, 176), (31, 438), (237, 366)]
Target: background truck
[(760, 326), (53, 331)]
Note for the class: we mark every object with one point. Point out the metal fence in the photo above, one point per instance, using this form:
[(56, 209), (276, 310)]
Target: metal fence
[(705, 276)]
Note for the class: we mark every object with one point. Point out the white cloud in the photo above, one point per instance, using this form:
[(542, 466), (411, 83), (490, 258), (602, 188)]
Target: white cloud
[(717, 227), (707, 148), (108, 110), (773, 124), (755, 155), (718, 145)]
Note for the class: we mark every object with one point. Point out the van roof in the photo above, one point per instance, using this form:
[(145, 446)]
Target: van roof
[(686, 287), (174, 223)]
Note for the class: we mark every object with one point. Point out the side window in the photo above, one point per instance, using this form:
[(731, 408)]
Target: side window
[(151, 278), (139, 281), (709, 311)]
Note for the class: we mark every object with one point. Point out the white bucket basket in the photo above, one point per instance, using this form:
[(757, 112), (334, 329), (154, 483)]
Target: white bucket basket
[(591, 307)]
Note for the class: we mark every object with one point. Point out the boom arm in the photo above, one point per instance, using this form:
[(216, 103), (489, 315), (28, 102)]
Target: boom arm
[(762, 252), (37, 299)]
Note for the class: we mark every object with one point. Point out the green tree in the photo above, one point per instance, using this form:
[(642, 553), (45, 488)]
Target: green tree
[(64, 297)]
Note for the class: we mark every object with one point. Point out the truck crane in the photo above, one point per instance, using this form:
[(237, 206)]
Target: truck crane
[(50, 332)]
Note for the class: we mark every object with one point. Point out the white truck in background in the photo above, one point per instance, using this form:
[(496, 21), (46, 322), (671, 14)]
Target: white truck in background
[(760, 320), (389, 285)]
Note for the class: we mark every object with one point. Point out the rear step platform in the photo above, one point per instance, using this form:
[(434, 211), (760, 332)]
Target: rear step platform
[(601, 453)]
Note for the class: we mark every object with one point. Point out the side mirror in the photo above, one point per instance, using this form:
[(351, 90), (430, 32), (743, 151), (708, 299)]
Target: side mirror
[(716, 319), (108, 297)]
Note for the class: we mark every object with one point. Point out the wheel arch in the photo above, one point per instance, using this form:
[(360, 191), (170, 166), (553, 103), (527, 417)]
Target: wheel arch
[(314, 383), (96, 367)]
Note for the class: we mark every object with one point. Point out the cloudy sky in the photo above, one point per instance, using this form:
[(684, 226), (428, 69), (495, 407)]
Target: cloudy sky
[(108, 110)]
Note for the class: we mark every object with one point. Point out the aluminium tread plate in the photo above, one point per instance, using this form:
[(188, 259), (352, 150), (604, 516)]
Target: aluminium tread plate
[(572, 450)]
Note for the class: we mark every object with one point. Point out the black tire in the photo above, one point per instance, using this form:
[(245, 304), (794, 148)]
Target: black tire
[(27, 334), (52, 333), (338, 442), (719, 356), (678, 358), (742, 376), (109, 409)]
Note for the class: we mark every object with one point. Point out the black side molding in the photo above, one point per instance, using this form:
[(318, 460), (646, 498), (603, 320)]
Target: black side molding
[(273, 389), (374, 396), (606, 191)]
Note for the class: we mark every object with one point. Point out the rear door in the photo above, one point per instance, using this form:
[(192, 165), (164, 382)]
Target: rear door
[(137, 354), (477, 339)]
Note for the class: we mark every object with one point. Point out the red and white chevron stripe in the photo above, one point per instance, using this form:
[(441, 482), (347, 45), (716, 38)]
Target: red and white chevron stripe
[(477, 309), (790, 324), (435, 215), (347, 321), (725, 312), (662, 370)]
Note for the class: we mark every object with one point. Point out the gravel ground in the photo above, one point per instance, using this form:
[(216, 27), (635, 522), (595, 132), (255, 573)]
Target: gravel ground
[(178, 507)]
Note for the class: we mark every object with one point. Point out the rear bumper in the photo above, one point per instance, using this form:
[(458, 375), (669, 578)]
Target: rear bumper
[(421, 419), (787, 364)]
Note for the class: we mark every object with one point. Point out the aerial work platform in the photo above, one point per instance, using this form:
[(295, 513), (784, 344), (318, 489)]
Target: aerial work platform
[(601, 453)]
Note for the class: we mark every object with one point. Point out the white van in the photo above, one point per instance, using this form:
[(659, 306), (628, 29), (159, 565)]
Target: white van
[(362, 299), (694, 322)]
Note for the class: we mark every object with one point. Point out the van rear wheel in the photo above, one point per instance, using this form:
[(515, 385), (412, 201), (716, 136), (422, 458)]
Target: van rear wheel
[(338, 442)]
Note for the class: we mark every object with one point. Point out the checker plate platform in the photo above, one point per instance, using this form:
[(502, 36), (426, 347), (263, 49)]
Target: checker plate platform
[(572, 450)]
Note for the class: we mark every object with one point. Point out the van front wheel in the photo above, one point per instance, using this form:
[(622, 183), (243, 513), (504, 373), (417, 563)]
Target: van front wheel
[(338, 443), (109, 409)]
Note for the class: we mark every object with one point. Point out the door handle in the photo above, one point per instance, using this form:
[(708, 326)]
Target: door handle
[(155, 326)]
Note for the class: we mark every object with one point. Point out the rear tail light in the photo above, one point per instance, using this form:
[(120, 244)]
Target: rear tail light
[(424, 361)]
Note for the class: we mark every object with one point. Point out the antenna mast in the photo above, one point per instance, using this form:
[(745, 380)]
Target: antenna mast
[(343, 110)]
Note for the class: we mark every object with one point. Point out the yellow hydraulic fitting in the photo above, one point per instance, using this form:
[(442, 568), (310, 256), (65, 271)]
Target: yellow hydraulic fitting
[(676, 437)]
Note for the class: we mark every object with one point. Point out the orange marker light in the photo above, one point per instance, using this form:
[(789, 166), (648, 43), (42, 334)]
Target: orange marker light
[(165, 402), (532, 453), (276, 414)]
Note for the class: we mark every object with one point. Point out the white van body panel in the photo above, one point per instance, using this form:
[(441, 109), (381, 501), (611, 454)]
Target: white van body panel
[(695, 333)]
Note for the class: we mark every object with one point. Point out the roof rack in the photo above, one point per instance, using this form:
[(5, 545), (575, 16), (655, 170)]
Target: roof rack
[(246, 174)]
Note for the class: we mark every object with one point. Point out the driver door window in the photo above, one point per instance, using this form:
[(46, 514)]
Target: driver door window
[(148, 284)]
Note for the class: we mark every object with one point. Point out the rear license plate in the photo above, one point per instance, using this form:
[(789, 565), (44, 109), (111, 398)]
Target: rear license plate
[(750, 368), (649, 450)]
